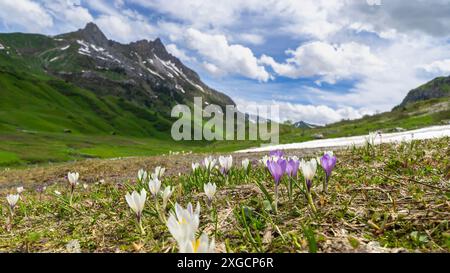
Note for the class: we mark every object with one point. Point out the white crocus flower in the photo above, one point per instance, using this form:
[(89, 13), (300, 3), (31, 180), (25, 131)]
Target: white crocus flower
[(309, 168), (195, 166), (154, 185), (183, 224), (370, 139), (226, 163), (209, 163), (136, 202), (57, 192), (142, 175), (200, 245), (245, 163), (159, 172), (20, 190), (210, 191), (73, 179), (166, 194), (264, 160), (12, 200)]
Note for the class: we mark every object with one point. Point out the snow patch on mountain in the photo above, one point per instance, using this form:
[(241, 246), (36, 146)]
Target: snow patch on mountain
[(55, 59)]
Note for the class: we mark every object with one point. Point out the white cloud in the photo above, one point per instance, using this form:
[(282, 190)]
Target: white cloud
[(179, 53), (25, 14), (251, 38), (317, 114), (228, 58), (120, 23), (69, 14), (330, 62), (436, 68)]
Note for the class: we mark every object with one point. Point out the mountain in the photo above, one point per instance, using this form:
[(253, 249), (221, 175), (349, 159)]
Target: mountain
[(435, 89), (305, 125), (82, 82)]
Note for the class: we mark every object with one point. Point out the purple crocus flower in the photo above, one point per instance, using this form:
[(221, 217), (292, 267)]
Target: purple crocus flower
[(277, 153), (277, 169), (292, 167), (328, 162)]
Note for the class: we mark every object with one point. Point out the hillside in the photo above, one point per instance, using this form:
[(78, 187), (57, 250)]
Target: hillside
[(80, 95), (411, 116), (142, 72), (437, 88)]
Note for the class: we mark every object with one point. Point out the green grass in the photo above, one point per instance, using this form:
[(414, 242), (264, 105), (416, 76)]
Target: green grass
[(387, 198)]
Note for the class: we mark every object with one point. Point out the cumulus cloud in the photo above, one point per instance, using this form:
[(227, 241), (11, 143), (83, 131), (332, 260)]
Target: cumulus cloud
[(25, 14), (330, 62), (179, 53), (251, 38), (68, 14), (436, 68), (317, 114), (227, 58)]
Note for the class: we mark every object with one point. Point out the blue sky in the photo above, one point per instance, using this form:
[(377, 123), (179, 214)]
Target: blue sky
[(320, 60)]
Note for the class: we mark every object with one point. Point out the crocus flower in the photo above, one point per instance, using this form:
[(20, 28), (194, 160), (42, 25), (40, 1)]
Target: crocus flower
[(158, 173), (12, 200), (245, 163), (309, 169), (328, 162), (209, 163), (195, 166), (183, 224), (225, 163), (292, 167), (142, 175), (154, 185), (277, 153), (201, 245), (20, 190), (136, 202), (264, 160), (210, 191), (370, 139), (277, 169), (166, 194), (73, 179)]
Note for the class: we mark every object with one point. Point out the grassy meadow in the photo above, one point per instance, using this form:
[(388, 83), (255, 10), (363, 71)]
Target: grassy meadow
[(389, 198)]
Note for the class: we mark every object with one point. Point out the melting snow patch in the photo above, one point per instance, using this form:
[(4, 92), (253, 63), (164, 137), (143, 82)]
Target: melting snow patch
[(102, 58), (2, 47), (98, 49), (54, 59), (180, 88), (65, 48), (420, 134), (154, 73)]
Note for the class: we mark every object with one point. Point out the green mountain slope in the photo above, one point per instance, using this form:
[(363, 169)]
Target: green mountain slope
[(50, 105), (411, 116), (437, 88)]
